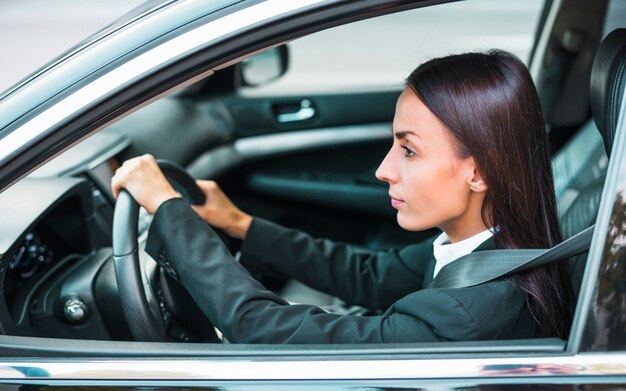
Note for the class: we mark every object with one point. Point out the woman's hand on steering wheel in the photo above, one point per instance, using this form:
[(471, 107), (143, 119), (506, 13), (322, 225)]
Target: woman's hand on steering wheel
[(144, 180), (219, 211)]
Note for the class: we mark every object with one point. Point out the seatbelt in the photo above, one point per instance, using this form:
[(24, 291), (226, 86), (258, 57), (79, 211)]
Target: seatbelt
[(483, 266)]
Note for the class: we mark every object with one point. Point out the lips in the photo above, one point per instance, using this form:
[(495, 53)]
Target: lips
[(395, 202)]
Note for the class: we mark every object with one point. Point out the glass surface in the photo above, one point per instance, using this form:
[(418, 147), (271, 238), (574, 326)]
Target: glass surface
[(605, 328)]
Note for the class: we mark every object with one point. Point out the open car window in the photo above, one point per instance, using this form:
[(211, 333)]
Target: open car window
[(59, 288), (381, 52), (297, 186)]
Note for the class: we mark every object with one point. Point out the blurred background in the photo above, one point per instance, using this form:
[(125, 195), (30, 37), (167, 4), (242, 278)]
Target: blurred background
[(33, 32)]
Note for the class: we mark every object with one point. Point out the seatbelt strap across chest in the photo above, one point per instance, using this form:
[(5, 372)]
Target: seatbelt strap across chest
[(483, 266)]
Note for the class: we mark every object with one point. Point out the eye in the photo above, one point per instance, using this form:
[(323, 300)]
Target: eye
[(408, 152)]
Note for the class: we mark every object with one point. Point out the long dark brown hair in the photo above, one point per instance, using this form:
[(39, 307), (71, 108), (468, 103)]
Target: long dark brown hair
[(489, 104)]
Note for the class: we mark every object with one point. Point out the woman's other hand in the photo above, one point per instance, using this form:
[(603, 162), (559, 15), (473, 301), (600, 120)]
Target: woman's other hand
[(219, 211), (143, 179)]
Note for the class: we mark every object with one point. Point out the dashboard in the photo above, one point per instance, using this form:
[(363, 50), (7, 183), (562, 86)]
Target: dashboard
[(44, 229), (55, 247), (57, 275)]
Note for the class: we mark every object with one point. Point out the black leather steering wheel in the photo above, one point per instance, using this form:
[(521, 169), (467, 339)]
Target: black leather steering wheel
[(143, 323)]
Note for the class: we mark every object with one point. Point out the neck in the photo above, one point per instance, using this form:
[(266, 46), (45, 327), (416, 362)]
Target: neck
[(456, 234), (467, 224)]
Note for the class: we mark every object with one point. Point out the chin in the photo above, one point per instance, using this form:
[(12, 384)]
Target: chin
[(412, 224)]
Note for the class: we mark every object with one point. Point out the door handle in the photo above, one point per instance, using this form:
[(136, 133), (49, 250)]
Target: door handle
[(306, 111)]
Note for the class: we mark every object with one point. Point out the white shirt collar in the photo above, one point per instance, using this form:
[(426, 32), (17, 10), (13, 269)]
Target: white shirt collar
[(446, 252)]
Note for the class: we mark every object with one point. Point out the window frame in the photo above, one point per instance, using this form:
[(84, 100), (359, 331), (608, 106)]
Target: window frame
[(40, 359)]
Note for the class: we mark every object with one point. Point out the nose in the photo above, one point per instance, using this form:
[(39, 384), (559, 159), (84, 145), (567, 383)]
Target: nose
[(387, 171)]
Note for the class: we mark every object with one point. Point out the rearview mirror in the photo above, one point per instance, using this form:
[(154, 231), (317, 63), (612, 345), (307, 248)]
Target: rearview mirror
[(264, 67)]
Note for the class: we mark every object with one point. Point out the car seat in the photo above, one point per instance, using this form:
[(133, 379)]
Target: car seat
[(608, 78)]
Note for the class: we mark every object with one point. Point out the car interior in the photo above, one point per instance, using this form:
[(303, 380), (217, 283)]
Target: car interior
[(303, 160)]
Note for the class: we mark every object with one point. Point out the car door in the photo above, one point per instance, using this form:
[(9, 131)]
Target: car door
[(40, 362)]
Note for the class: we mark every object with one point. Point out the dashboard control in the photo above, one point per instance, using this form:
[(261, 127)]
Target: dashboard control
[(31, 253), (167, 266), (75, 310), (165, 314)]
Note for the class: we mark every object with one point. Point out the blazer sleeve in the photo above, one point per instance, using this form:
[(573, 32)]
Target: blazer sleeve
[(357, 276), (246, 312)]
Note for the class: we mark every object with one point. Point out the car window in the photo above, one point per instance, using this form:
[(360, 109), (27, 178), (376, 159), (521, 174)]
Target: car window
[(59, 280), (189, 128), (380, 52), (606, 324)]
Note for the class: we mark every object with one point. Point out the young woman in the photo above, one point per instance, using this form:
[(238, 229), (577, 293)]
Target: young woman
[(470, 156)]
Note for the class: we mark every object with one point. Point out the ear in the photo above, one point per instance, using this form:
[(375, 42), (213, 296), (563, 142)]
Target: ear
[(475, 179)]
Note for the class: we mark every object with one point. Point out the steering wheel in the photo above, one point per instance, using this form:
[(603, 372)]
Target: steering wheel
[(144, 325)]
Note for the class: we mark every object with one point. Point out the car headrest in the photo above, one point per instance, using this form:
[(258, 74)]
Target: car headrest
[(608, 77)]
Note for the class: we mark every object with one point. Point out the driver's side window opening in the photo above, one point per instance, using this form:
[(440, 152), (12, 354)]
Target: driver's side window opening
[(381, 52), (326, 188)]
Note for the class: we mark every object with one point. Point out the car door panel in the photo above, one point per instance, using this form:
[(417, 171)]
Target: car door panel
[(262, 115), (335, 177), (320, 168), (326, 188)]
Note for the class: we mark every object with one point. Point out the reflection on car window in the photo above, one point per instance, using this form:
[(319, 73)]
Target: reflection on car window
[(380, 52), (607, 325)]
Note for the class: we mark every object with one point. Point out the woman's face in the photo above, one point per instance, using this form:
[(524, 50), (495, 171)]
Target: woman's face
[(429, 184)]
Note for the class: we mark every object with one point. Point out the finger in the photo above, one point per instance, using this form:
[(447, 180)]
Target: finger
[(202, 183), (118, 181), (209, 188), (150, 165), (115, 186), (150, 162), (148, 158)]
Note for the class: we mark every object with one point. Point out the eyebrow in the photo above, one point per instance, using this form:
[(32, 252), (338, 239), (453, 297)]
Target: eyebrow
[(403, 133)]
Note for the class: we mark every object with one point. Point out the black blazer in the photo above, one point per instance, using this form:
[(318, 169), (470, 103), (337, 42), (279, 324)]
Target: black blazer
[(246, 312)]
